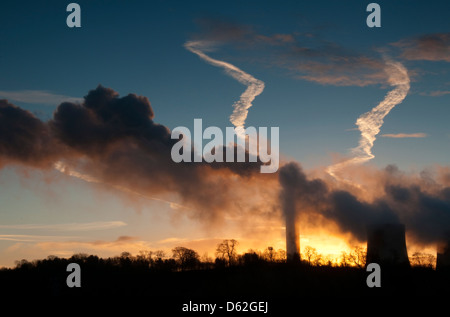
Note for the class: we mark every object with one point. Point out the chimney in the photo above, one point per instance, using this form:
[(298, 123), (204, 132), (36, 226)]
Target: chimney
[(386, 245), (292, 238)]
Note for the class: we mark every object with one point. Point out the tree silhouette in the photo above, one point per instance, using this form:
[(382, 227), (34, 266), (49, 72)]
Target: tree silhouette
[(187, 259), (357, 257), (281, 255), (423, 260), (311, 256), (269, 254), (160, 255), (226, 250)]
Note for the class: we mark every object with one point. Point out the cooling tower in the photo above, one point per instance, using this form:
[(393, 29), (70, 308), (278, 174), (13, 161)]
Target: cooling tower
[(292, 238), (443, 256), (386, 245)]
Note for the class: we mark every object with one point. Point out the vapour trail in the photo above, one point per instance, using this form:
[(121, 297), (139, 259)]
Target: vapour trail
[(254, 86), (369, 123), (61, 167)]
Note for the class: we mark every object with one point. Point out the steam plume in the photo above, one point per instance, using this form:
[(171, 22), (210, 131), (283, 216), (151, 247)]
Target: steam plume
[(254, 86), (63, 168), (369, 123), (422, 205), (114, 141)]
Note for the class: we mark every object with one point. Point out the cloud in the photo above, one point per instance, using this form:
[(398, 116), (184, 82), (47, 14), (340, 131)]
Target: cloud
[(436, 93), (99, 247), (404, 135), (37, 96), (34, 238), (95, 244), (335, 67), (172, 240), (305, 55), (429, 47), (34, 247), (87, 226), (276, 39), (223, 31), (125, 239)]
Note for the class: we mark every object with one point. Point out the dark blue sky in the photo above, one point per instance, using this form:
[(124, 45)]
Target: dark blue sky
[(138, 47)]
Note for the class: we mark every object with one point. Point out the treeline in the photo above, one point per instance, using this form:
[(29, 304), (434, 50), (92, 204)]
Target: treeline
[(183, 273), (183, 259)]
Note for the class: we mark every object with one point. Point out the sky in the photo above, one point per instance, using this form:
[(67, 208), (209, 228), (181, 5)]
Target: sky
[(322, 68)]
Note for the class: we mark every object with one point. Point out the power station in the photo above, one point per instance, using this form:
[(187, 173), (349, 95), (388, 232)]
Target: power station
[(443, 256), (386, 245)]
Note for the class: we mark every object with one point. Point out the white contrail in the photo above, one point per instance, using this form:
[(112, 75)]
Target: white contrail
[(254, 86), (369, 123)]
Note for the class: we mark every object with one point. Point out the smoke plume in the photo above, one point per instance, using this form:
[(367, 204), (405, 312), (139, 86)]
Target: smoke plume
[(23, 137), (421, 204), (114, 140)]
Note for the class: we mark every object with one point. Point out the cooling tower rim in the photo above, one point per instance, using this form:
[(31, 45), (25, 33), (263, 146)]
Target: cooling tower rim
[(385, 225)]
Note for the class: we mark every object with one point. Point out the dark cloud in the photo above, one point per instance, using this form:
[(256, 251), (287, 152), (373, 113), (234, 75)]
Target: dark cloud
[(294, 181), (125, 238), (353, 216), (114, 140), (104, 119), (23, 137), (426, 214)]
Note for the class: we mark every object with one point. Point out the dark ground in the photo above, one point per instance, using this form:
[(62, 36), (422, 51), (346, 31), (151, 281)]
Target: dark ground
[(279, 283)]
